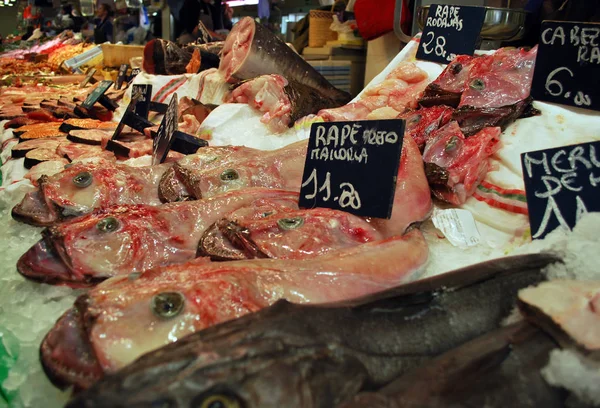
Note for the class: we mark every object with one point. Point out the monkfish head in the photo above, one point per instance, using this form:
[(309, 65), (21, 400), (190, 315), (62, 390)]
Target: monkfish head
[(284, 234), (260, 360), (107, 242), (127, 316), (77, 190)]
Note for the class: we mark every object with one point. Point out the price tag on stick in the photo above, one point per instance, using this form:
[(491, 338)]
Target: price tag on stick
[(353, 166), (567, 67), (168, 137), (134, 73), (142, 93), (121, 76), (561, 184), (89, 78), (97, 94), (450, 31)]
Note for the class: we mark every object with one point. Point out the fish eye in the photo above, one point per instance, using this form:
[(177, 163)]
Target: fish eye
[(229, 175), (477, 84), (218, 401), (290, 223), (83, 179), (167, 304), (415, 119), (108, 224), (456, 68)]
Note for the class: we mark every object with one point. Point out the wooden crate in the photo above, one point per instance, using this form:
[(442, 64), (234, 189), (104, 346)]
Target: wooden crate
[(116, 55)]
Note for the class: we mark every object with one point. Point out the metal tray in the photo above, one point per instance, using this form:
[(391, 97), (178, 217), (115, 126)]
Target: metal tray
[(500, 24)]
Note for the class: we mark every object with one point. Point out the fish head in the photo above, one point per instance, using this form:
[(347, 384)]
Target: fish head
[(284, 234), (246, 363), (75, 191), (127, 316), (93, 247)]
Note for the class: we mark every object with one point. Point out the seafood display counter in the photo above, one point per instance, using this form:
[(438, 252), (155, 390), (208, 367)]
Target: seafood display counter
[(197, 280)]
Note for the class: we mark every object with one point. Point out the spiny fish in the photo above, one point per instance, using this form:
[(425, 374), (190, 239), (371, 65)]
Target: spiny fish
[(124, 239), (317, 356), (125, 316), (499, 369)]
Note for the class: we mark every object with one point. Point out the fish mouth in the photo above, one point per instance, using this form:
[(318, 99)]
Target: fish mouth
[(66, 353), (226, 240), (174, 188), (34, 210), (47, 262)]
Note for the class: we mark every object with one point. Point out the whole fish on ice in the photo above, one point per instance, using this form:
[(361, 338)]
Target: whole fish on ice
[(124, 239), (83, 187), (305, 355), (127, 316)]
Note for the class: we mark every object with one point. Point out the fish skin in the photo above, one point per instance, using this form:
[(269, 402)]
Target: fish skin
[(499, 369), (330, 351), (119, 323), (144, 237), (267, 54), (57, 198)]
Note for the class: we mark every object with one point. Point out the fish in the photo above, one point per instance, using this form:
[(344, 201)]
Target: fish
[(251, 50), (501, 368), (82, 187), (455, 164), (297, 355), (487, 91), (289, 234), (399, 91), (125, 317), (568, 309), (163, 57), (282, 101), (214, 171), (284, 168), (123, 239)]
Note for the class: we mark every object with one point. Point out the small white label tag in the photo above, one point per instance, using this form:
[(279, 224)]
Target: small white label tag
[(458, 226)]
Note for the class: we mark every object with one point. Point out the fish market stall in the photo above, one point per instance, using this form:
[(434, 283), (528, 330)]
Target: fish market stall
[(155, 251)]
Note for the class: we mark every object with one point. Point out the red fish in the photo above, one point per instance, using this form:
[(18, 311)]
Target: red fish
[(127, 316), (455, 165), (124, 239)]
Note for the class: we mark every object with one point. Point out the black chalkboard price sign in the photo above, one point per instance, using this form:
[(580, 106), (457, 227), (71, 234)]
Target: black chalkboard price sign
[(450, 31), (567, 67), (96, 94), (142, 94), (561, 184), (166, 131), (121, 76), (353, 166), (134, 73)]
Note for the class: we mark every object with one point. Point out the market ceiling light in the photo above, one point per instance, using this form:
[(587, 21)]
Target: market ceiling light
[(236, 3)]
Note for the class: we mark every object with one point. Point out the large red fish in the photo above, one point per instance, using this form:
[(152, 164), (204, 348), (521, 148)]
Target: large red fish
[(127, 316)]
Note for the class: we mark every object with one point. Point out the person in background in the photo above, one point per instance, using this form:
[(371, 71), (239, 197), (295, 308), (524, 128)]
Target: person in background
[(104, 27), (215, 15)]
